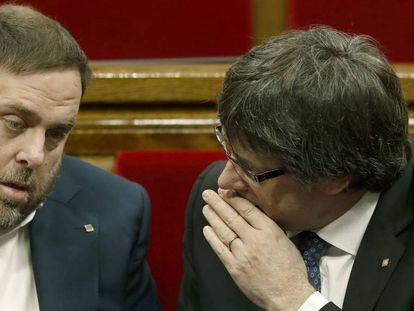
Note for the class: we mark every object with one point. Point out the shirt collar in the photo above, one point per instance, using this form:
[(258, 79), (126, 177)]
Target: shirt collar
[(347, 231), (28, 219)]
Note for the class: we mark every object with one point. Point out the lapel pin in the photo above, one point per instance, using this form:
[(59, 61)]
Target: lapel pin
[(89, 228), (385, 263)]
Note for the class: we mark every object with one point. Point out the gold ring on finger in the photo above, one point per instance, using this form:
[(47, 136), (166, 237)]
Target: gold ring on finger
[(231, 241)]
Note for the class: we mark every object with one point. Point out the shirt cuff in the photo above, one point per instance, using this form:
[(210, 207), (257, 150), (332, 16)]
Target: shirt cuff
[(314, 302)]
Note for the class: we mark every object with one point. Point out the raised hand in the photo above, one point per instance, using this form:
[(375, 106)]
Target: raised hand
[(262, 261)]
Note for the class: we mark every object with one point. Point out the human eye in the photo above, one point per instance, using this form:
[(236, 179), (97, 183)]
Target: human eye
[(56, 134), (14, 123)]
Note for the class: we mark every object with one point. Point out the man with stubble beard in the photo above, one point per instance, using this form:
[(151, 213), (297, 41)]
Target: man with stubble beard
[(72, 237)]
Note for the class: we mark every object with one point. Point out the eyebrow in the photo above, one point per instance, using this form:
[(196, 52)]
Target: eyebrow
[(23, 111), (64, 126), (29, 114)]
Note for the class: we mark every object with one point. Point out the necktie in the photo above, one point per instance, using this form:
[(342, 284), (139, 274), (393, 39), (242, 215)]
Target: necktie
[(312, 249)]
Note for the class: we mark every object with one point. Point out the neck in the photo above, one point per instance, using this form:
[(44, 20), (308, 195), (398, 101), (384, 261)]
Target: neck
[(336, 206)]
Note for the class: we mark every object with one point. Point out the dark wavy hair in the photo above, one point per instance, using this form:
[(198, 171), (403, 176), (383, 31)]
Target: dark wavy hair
[(324, 103)]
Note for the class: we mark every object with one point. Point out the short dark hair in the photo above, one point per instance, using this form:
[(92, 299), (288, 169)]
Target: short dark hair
[(324, 103), (32, 42)]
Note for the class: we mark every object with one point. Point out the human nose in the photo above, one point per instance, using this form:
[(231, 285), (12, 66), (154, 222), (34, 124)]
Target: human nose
[(230, 179), (32, 153)]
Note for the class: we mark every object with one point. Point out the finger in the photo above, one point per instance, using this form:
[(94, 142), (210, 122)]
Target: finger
[(221, 250), (235, 246), (227, 214), (223, 232), (252, 214)]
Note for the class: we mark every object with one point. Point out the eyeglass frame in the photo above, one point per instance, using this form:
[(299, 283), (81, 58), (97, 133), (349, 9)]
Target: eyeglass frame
[(269, 174)]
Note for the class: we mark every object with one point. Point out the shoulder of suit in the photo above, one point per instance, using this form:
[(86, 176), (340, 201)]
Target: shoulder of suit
[(83, 172)]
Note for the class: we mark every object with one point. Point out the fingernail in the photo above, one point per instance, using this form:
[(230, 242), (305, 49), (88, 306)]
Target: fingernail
[(207, 193), (205, 209), (220, 191)]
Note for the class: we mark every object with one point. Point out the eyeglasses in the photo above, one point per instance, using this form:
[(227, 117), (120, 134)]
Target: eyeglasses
[(238, 167)]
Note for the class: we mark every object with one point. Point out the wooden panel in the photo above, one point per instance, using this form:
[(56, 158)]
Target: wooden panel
[(406, 74), (160, 107), (269, 18), (184, 83), (105, 162), (146, 128)]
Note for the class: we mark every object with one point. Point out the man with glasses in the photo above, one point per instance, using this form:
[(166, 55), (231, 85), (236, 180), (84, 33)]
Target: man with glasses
[(241, 169), (314, 208)]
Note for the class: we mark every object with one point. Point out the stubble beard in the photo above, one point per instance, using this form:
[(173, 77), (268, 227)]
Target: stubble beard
[(13, 213)]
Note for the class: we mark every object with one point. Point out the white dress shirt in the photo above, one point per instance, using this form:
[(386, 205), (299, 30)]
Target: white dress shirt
[(345, 235), (17, 285)]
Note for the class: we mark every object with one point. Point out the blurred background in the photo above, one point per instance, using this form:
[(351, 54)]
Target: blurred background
[(158, 65), (136, 29)]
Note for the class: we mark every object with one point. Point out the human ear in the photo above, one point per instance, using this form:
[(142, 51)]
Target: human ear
[(335, 186)]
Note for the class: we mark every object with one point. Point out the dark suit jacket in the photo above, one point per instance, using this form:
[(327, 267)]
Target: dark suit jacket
[(105, 269), (207, 285)]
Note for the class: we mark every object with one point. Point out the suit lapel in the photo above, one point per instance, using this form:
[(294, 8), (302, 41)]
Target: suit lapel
[(368, 277), (64, 254), (382, 246)]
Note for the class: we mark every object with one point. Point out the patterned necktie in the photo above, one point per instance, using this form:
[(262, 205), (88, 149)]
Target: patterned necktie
[(312, 249)]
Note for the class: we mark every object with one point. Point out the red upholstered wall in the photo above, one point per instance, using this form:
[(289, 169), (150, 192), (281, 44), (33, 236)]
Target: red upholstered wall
[(390, 22), (131, 29), (168, 178)]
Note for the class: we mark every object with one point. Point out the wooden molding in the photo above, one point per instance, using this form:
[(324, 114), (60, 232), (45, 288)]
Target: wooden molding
[(131, 83), (269, 19), (161, 107), (406, 74), (180, 83), (144, 128)]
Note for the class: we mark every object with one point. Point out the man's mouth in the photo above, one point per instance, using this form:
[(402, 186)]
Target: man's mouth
[(15, 191), (17, 185)]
